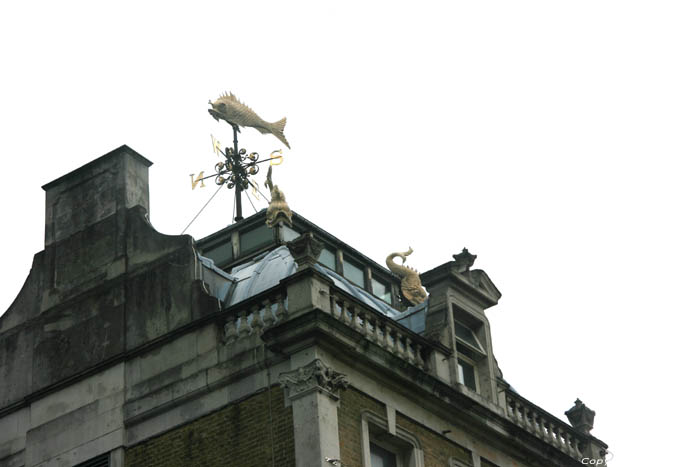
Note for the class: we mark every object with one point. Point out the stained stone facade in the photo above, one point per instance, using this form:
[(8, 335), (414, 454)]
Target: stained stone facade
[(254, 346)]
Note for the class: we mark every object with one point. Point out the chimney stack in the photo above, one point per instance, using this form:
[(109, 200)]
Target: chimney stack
[(94, 192)]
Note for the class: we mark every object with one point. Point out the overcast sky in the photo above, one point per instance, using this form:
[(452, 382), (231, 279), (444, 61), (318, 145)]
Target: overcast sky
[(556, 140)]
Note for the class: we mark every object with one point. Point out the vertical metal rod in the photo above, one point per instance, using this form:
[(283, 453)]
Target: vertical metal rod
[(237, 159)]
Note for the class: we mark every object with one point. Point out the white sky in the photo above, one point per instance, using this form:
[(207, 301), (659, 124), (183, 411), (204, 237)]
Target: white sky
[(556, 140)]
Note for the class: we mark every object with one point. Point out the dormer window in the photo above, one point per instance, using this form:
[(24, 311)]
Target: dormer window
[(469, 352), (466, 337), (466, 374)]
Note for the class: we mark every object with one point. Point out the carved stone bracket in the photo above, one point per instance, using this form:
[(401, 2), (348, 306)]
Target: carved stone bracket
[(305, 250), (315, 376)]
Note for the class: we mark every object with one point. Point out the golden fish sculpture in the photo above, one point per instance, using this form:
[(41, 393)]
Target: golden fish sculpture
[(228, 108), (278, 211), (411, 287)]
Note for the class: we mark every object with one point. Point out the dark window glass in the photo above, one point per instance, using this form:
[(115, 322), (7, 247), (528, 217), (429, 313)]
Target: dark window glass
[(381, 290), (467, 335), (99, 461), (380, 457), (487, 463), (220, 254), (327, 258), (255, 238), (354, 273), (466, 374), (288, 233)]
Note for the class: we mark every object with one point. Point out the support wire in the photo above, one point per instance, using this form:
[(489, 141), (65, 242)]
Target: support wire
[(200, 211), (251, 201)]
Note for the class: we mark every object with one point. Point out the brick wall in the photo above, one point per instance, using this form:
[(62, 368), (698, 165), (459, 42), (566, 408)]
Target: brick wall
[(437, 449), (241, 435)]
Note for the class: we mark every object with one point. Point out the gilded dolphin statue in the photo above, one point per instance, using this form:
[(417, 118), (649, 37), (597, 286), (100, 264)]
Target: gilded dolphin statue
[(227, 107)]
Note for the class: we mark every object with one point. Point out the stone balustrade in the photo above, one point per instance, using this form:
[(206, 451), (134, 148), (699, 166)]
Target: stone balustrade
[(379, 328), (256, 314), (544, 425)]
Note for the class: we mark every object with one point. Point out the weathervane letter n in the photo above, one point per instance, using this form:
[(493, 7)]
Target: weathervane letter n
[(199, 179)]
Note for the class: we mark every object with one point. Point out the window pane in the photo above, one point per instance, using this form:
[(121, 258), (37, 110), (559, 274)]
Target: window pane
[(380, 457), (220, 254), (467, 335), (354, 273), (288, 233), (255, 238), (466, 375), (327, 258), (381, 290)]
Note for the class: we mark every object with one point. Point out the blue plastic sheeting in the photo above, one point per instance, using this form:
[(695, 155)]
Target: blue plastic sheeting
[(246, 280), (268, 269), (360, 294)]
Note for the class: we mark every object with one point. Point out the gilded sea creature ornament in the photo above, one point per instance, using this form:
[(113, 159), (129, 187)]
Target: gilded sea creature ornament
[(228, 108), (278, 211), (411, 287)]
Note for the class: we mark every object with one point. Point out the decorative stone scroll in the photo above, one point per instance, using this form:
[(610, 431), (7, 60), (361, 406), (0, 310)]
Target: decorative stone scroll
[(315, 376)]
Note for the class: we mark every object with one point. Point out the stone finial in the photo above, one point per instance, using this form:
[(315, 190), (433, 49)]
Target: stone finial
[(464, 258), (581, 417), (305, 249), (314, 376)]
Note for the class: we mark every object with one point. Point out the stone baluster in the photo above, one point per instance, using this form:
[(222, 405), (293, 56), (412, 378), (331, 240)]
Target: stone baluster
[(560, 441), (569, 441), (333, 305), (419, 357), (353, 317), (511, 408), (244, 328), (546, 430), (539, 427), (516, 412), (409, 354), (530, 419), (399, 345), (230, 331), (365, 324), (267, 317), (388, 342), (257, 323), (343, 311), (552, 438), (282, 312), (375, 330)]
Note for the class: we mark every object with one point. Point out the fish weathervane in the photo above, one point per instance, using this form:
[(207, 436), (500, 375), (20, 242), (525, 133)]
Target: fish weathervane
[(228, 108), (238, 166)]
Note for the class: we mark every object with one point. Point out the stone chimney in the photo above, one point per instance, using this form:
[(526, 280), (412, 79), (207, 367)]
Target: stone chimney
[(106, 282), (94, 192)]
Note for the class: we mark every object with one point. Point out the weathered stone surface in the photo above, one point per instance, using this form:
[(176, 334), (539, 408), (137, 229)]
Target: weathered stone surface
[(94, 192), (75, 337), (106, 282)]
